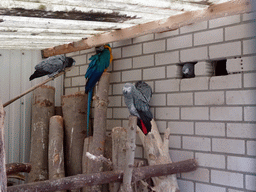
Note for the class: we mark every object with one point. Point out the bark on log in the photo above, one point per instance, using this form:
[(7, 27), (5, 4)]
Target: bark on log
[(55, 153), (157, 152), (74, 109), (99, 129), (3, 178), (12, 168), (42, 110), (130, 153), (82, 180)]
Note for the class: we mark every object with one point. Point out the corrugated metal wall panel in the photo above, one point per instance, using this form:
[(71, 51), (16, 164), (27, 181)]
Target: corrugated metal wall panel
[(15, 68)]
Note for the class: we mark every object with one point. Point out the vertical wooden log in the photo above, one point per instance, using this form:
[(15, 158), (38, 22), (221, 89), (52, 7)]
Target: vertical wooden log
[(108, 155), (3, 178), (99, 130), (55, 153), (42, 110), (74, 109), (130, 153)]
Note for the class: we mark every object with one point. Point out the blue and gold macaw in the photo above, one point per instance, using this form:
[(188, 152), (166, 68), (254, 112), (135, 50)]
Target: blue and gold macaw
[(99, 63)]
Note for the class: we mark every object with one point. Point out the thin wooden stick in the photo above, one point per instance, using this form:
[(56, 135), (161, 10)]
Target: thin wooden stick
[(36, 86)]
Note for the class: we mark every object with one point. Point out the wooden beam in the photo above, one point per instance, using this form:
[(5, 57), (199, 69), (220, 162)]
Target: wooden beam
[(172, 23)]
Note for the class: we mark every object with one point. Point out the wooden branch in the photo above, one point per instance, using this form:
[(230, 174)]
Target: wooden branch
[(12, 168), (171, 23), (3, 178), (78, 181), (36, 86), (101, 159)]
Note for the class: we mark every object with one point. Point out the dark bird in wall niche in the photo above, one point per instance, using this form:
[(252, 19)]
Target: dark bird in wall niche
[(137, 100), (188, 70), (99, 63), (52, 66)]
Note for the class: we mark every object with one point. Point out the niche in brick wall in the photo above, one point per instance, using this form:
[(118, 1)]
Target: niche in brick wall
[(220, 67), (188, 70)]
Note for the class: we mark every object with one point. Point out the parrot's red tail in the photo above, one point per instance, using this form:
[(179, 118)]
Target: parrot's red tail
[(143, 127)]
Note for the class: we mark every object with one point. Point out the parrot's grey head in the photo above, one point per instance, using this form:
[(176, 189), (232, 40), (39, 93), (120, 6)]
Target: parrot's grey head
[(127, 88)]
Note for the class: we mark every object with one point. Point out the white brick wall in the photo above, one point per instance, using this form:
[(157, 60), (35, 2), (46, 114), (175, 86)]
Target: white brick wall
[(227, 178)]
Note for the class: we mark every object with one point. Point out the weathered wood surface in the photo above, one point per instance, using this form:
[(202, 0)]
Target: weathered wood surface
[(78, 181), (157, 153), (56, 151), (97, 145), (12, 168), (74, 109), (42, 111), (3, 178)]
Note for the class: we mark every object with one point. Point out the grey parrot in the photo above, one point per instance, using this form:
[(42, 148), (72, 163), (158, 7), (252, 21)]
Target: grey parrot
[(52, 66), (188, 70), (137, 100)]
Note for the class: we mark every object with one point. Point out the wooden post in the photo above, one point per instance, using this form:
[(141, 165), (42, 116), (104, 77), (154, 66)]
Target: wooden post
[(3, 178), (74, 109), (42, 110), (55, 152), (130, 153), (99, 130)]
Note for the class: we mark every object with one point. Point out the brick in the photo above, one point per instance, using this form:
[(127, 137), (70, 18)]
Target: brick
[(72, 54), (113, 123), (120, 113), (72, 90), (226, 82), (245, 97), (240, 31), (249, 113), (179, 127), (161, 125), (198, 175), (87, 51), (177, 155), (223, 21), (225, 50), (251, 146), (211, 160), (243, 164), (158, 100), (194, 54), (209, 98), (73, 72), (174, 142), (194, 27), (67, 82), (122, 43), (174, 71), (83, 69), (196, 143), (186, 185), (233, 190), (80, 59), (227, 178), (249, 16), (210, 129), (109, 113), (250, 182), (228, 146), (117, 89), (117, 53), (249, 80), (133, 50), (226, 113), (78, 81), (249, 46), (143, 61), (241, 130), (132, 75), (194, 113), (167, 85), (208, 37), (234, 65), (198, 83), (114, 101), (153, 47), (180, 99), (209, 188), (143, 38), (122, 64), (204, 69), (179, 42), (249, 63), (167, 58), (167, 113), (166, 34), (115, 77)]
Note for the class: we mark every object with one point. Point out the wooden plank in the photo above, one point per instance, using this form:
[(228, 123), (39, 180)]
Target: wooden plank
[(172, 23)]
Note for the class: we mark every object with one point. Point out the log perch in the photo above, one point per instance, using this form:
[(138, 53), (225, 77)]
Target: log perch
[(13, 168), (82, 180)]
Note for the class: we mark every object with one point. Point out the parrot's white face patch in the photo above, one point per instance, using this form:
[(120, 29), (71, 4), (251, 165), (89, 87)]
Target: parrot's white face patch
[(127, 89)]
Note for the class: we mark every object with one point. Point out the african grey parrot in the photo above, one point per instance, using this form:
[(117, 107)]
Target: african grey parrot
[(188, 70), (137, 100), (52, 66)]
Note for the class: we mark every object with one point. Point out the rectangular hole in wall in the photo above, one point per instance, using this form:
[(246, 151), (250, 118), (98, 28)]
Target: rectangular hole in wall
[(220, 67)]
